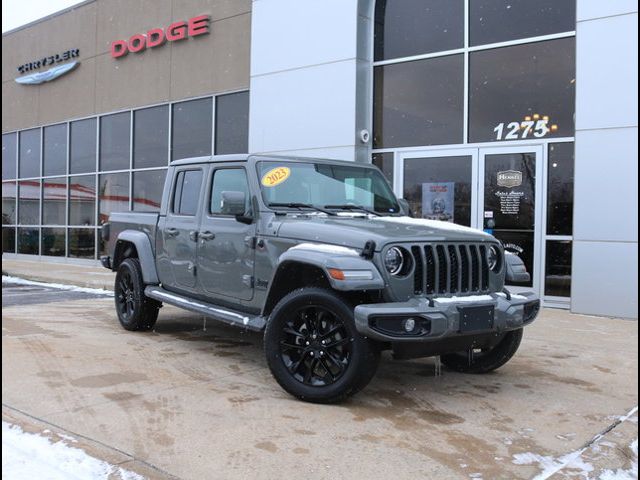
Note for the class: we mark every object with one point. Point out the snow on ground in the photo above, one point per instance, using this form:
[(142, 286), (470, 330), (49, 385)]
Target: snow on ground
[(27, 456), (60, 286)]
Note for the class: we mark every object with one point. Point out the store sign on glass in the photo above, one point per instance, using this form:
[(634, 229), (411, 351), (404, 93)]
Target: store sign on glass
[(533, 126), (438, 201)]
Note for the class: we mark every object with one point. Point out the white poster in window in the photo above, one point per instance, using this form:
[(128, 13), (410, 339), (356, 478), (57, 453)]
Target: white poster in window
[(438, 201)]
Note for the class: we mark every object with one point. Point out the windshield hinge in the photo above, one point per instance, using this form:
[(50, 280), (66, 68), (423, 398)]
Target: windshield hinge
[(369, 249)]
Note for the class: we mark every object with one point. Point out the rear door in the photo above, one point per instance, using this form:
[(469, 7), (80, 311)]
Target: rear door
[(226, 246), (180, 228)]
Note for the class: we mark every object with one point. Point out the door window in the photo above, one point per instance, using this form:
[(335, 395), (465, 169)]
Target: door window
[(228, 180), (187, 192)]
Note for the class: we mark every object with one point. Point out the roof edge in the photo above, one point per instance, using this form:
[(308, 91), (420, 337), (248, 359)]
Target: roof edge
[(48, 17)]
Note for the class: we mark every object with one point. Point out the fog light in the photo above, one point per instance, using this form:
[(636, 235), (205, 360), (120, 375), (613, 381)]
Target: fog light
[(409, 325)]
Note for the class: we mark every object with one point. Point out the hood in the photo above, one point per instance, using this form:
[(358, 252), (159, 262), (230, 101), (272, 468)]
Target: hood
[(354, 231)]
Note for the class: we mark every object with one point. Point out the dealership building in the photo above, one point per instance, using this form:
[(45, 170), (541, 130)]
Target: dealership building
[(516, 117)]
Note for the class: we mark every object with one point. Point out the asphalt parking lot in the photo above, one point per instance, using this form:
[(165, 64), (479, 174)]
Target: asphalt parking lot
[(193, 399)]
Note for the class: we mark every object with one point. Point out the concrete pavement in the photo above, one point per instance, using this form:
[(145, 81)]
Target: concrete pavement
[(194, 399)]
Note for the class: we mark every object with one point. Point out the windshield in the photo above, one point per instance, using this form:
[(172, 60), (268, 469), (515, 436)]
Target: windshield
[(322, 185)]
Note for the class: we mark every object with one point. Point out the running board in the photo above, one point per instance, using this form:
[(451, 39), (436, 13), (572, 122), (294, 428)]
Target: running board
[(251, 322)]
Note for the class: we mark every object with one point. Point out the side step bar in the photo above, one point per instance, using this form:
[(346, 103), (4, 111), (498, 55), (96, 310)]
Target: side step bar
[(251, 322)]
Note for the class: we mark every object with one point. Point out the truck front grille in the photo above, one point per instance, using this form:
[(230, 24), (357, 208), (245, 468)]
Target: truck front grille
[(448, 269)]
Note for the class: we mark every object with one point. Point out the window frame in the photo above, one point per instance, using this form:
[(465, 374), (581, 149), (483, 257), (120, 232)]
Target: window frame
[(174, 190), (209, 197)]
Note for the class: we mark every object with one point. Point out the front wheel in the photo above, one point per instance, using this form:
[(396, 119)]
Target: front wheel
[(135, 310), (487, 359), (314, 350)]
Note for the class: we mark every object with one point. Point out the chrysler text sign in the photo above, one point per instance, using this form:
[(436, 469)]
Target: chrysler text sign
[(158, 36)]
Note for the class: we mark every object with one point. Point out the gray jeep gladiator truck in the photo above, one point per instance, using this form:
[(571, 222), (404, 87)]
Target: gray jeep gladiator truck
[(323, 258)]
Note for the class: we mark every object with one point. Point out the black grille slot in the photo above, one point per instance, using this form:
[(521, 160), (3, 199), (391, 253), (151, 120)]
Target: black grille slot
[(418, 276), (431, 270), (485, 267), (464, 267), (475, 268), (454, 265), (442, 269)]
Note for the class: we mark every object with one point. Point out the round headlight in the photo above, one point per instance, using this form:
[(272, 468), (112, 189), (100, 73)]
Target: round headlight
[(394, 260), (493, 258)]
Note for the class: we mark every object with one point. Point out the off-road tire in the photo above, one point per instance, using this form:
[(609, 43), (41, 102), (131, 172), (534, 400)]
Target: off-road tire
[(136, 312), (363, 354), (486, 361)]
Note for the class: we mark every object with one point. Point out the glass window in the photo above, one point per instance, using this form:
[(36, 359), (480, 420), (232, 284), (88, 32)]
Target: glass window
[(413, 27), (9, 146), (82, 242), (114, 195), (228, 180), (493, 21), (439, 188), (29, 162), (8, 203), (560, 189), (53, 242), (54, 201), (82, 148), (82, 200), (524, 91), (191, 128), (150, 137), (558, 269), (384, 161), (29, 241), (147, 190), (54, 155), (29, 202), (232, 123), (187, 192), (8, 240), (418, 103), (115, 135)]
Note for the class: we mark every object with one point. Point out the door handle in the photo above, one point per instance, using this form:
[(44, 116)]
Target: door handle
[(207, 235), (172, 232)]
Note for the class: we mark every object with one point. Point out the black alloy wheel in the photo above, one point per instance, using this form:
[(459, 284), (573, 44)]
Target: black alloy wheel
[(135, 310)]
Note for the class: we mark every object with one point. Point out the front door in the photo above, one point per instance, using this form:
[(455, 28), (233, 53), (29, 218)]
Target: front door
[(226, 245), (509, 203)]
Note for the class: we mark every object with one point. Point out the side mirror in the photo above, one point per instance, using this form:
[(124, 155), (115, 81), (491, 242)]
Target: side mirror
[(406, 209), (233, 203)]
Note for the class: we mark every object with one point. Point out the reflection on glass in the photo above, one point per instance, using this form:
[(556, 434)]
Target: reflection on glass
[(29, 202), (150, 137), (115, 141), (493, 21), (28, 241), (560, 189), (418, 103), (82, 148), (82, 200), (82, 242), (522, 92), (29, 161), (8, 203), (187, 193), (114, 195), (232, 123), (519, 243), (558, 269), (53, 242), (9, 155), (191, 129), (412, 27), (54, 154), (439, 188), (147, 190), (384, 161), (54, 201), (8, 240)]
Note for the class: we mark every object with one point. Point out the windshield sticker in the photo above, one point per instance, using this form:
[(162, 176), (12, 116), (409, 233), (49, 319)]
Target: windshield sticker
[(275, 176)]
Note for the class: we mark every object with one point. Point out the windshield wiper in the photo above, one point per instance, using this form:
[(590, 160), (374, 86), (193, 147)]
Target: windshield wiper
[(301, 206), (353, 206)]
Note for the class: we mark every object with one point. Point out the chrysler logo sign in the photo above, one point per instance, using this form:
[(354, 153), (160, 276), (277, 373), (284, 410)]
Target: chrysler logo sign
[(510, 178), (47, 76), (51, 74)]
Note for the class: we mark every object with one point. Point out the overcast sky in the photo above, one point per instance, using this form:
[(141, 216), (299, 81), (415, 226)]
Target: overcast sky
[(18, 12)]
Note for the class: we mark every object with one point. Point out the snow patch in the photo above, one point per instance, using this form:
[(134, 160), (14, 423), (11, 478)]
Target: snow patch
[(29, 455), (435, 224), (8, 279), (620, 474), (470, 298), (325, 248)]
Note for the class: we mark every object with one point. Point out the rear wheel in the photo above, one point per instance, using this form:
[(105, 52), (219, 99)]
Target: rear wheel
[(485, 360), (135, 310), (314, 350)]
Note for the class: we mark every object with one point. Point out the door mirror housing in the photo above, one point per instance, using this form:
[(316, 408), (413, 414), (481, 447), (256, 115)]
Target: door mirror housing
[(235, 203), (404, 206)]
